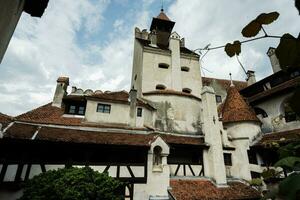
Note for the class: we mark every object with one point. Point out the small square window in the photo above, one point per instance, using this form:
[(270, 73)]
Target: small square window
[(218, 99), (81, 110), (72, 109), (104, 108), (139, 112), (227, 159)]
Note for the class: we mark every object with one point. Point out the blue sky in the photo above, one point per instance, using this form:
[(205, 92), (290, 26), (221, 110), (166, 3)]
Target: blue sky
[(91, 41)]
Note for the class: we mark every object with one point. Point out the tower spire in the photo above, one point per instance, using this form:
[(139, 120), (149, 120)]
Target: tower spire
[(231, 82), (162, 6)]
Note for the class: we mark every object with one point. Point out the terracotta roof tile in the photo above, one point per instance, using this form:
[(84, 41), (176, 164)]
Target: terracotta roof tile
[(26, 131), (163, 16), (235, 108), (281, 137), (170, 92), (205, 190), (206, 81), (5, 119)]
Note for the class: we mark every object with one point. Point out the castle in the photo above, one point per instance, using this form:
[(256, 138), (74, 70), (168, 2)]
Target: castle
[(170, 137)]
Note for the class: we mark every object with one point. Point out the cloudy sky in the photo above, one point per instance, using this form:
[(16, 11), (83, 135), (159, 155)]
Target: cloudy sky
[(91, 41)]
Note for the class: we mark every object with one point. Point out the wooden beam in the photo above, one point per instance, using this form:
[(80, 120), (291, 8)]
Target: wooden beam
[(176, 171), (19, 173), (27, 172), (130, 171), (191, 170), (3, 172)]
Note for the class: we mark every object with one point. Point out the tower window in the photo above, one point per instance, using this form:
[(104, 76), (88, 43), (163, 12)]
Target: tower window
[(139, 112), (185, 69), (103, 108), (160, 87), (227, 159), (187, 90), (163, 65), (218, 99), (157, 159)]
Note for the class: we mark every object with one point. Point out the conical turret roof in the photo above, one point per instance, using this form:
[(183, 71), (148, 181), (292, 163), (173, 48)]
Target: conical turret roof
[(235, 108)]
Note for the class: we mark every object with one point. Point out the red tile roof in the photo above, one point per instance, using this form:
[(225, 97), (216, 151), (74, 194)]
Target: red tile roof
[(170, 92), (163, 16), (5, 119), (235, 108), (206, 81), (59, 134), (205, 190), (281, 137)]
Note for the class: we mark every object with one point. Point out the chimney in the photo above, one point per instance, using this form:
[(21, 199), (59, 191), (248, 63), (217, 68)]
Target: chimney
[(61, 91), (133, 102), (273, 59), (250, 77)]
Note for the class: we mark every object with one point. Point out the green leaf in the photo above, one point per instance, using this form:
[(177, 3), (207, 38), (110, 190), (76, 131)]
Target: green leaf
[(233, 49), (288, 162), (267, 18), (252, 29), (288, 51), (290, 187)]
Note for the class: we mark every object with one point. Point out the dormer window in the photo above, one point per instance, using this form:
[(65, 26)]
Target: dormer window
[(185, 69), (103, 108), (160, 87), (163, 65), (75, 109), (187, 90)]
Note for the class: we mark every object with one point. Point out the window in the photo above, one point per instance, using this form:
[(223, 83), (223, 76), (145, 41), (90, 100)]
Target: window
[(185, 69), (139, 112), (160, 87), (218, 99), (163, 65), (75, 109), (104, 108), (252, 157), (72, 109), (289, 113), (157, 160), (259, 111), (227, 159), (186, 90)]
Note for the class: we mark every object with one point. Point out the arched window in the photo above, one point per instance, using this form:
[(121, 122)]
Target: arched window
[(160, 87), (186, 90), (289, 113), (259, 111), (157, 158), (185, 69), (163, 65)]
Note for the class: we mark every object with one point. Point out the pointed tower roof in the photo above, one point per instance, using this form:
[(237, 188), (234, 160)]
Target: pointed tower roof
[(163, 16), (235, 108), (162, 22)]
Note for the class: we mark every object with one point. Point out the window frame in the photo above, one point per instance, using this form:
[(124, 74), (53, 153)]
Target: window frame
[(218, 97), (163, 65), (227, 159), (139, 112), (106, 108), (185, 69), (73, 108)]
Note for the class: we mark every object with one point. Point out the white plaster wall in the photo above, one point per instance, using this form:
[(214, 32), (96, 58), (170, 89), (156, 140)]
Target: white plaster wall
[(174, 46), (213, 159), (157, 181), (182, 112), (119, 113), (275, 121), (152, 74), (192, 78), (240, 163), (137, 69), (245, 129)]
